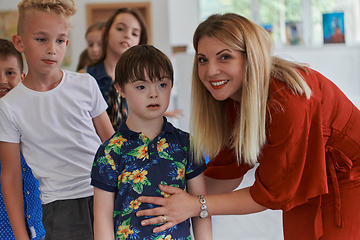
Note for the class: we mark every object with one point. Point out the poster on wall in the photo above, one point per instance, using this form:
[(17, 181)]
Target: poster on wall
[(333, 27), (294, 34), (268, 28), (8, 26)]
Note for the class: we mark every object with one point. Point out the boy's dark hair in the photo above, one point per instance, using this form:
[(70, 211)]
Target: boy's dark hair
[(141, 59), (7, 49)]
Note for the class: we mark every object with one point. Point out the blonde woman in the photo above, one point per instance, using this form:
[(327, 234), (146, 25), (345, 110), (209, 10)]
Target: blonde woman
[(250, 107)]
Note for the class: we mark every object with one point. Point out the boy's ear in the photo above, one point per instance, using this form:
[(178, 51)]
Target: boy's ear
[(22, 76), (67, 42), (18, 43), (119, 90)]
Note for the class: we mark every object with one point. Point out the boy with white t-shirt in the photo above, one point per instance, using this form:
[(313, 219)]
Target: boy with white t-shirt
[(57, 119)]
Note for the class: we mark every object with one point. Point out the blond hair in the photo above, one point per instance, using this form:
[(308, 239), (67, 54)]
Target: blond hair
[(210, 123), (63, 8)]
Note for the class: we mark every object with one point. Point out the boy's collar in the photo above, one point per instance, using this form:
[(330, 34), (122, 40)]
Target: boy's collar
[(127, 133)]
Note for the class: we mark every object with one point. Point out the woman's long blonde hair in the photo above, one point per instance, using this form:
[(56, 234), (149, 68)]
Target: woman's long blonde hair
[(210, 123)]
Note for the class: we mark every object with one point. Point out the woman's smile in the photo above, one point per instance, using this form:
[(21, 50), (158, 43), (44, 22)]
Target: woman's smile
[(218, 84)]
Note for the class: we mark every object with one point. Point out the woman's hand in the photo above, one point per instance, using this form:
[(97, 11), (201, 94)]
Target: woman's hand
[(175, 209)]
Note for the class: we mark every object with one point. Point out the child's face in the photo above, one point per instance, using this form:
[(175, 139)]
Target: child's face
[(124, 33), (94, 44), (146, 100), (10, 74), (44, 42)]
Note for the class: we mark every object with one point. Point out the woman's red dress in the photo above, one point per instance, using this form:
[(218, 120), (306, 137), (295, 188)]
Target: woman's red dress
[(310, 165)]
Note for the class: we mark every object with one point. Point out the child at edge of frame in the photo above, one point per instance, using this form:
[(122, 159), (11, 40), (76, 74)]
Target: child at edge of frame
[(145, 152), (11, 73), (57, 118)]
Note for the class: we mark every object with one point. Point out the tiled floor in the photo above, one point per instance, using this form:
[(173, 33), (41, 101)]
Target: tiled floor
[(265, 225)]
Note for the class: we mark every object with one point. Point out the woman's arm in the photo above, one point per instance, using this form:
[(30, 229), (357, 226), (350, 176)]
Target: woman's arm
[(103, 126), (103, 215), (12, 188), (202, 227), (217, 186), (181, 205)]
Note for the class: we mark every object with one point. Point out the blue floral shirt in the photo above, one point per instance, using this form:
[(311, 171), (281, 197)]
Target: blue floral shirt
[(131, 165), (32, 207)]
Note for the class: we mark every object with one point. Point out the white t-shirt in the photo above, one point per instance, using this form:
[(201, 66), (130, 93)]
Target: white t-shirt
[(56, 134)]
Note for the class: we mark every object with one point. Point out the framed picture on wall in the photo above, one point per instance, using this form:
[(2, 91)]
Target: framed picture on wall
[(268, 28), (8, 24), (294, 34), (333, 27)]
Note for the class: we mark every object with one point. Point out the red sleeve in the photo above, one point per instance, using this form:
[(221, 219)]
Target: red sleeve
[(292, 167), (224, 165)]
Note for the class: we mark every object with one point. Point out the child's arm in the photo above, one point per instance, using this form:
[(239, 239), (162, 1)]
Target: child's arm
[(202, 227), (103, 215), (103, 126), (11, 183)]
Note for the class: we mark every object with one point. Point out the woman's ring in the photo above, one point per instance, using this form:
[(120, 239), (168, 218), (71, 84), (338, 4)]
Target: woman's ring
[(164, 219)]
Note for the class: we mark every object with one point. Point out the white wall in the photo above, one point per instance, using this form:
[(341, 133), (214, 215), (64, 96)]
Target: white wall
[(183, 20)]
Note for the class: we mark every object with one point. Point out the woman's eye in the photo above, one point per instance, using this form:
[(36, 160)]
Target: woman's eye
[(225, 57), (201, 60)]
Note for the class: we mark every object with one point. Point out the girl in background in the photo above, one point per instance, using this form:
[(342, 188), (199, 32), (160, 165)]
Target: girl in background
[(124, 29), (94, 44)]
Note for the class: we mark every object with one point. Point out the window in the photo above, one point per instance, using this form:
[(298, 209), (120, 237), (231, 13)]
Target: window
[(291, 22), (208, 7)]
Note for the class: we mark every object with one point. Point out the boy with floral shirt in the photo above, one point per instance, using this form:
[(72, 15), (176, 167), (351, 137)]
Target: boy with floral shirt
[(145, 152)]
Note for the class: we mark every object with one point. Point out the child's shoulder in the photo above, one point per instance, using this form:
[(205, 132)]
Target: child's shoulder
[(81, 78), (76, 75), (181, 135)]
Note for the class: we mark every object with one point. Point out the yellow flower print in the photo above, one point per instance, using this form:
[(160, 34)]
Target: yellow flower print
[(165, 194), (110, 161), (138, 177), (162, 144), (124, 231), (135, 204), (142, 153), (124, 176), (168, 237), (180, 172), (117, 141)]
